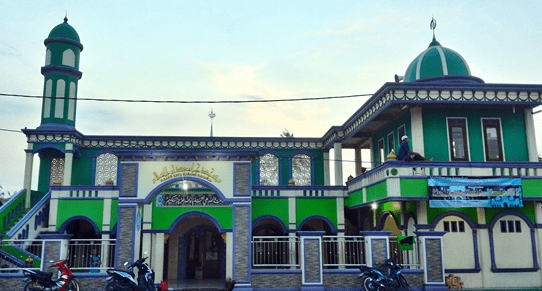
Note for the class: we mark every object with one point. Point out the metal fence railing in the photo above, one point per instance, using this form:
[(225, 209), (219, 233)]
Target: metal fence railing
[(275, 252), (91, 255), (343, 251), (18, 254), (409, 259)]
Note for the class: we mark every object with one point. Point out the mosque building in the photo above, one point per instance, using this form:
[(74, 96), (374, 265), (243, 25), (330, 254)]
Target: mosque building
[(262, 210)]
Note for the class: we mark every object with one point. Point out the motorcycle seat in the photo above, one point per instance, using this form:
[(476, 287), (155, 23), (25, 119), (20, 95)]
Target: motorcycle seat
[(44, 274)]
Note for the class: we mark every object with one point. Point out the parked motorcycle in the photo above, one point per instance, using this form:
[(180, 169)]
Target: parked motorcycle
[(374, 280), (42, 281), (124, 280)]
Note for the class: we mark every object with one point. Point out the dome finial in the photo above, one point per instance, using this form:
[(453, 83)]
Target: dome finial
[(433, 25), (66, 17)]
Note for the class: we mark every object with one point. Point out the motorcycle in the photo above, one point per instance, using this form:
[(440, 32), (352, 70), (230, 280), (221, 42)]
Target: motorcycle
[(42, 281), (374, 280), (122, 280)]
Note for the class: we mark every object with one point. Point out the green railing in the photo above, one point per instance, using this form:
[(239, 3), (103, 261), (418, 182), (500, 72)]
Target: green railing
[(12, 211)]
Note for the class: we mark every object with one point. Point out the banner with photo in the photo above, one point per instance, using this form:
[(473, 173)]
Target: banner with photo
[(472, 192)]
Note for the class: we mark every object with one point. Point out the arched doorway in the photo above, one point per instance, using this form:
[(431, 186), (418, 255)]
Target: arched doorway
[(202, 254)]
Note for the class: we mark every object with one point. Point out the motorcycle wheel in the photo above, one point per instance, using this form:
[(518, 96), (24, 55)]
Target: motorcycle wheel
[(73, 285), (369, 284), (404, 284), (31, 284), (114, 286)]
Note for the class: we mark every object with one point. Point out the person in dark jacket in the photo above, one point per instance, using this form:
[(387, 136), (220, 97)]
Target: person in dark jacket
[(405, 154)]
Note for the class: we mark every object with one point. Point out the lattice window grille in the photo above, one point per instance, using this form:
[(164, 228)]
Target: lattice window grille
[(269, 170), (106, 168), (57, 171), (301, 170)]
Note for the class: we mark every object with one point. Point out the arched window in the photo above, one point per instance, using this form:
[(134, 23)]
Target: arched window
[(48, 57), (57, 171), (71, 105), (269, 170), (47, 101), (59, 102), (301, 170), (106, 169), (68, 58)]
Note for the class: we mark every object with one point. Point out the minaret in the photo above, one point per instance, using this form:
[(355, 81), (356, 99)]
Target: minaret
[(61, 72)]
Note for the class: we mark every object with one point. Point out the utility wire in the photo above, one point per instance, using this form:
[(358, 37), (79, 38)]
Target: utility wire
[(10, 130), (193, 102)]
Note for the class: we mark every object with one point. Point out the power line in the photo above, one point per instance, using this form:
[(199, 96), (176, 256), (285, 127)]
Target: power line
[(10, 130), (193, 102)]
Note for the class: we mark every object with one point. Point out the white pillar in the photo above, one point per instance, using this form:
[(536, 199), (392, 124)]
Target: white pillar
[(158, 257), (68, 162), (416, 122), (372, 153), (484, 248), (327, 172), (357, 154), (531, 137), (338, 157), (229, 254), (105, 253), (28, 175), (421, 207), (292, 226)]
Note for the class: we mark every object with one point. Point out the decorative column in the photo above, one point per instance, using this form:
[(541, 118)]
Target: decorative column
[(376, 247), (338, 157), (292, 226), (357, 154), (146, 244), (157, 258), (416, 122), (311, 260), (432, 259), (327, 171), (229, 253), (68, 162), (28, 175), (126, 234), (372, 152), (242, 246), (530, 132), (341, 231)]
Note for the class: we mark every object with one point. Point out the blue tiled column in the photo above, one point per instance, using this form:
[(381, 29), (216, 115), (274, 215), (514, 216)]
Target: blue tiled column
[(432, 259), (311, 260), (376, 247)]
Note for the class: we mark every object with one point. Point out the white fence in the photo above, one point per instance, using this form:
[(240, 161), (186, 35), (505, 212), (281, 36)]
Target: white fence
[(409, 259), (91, 255), (275, 252), (82, 255), (18, 254), (343, 251)]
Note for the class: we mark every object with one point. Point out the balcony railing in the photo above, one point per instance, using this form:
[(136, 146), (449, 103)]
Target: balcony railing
[(91, 255), (84, 192), (397, 169)]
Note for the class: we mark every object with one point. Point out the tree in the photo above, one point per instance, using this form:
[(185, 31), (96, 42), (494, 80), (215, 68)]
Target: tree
[(286, 133)]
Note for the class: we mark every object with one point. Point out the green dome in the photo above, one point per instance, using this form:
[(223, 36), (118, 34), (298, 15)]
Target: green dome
[(436, 61), (64, 30)]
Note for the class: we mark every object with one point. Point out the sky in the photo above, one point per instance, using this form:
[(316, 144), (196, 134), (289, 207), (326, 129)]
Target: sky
[(246, 50)]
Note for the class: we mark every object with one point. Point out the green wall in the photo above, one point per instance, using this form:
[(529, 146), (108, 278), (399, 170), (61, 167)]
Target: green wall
[(527, 209), (436, 140), (82, 168), (414, 188), (277, 207), (163, 217), (383, 134), (432, 213), (531, 187), (307, 207), (377, 191), (354, 198), (91, 208)]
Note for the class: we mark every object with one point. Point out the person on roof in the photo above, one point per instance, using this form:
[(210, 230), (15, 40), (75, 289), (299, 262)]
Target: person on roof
[(405, 154)]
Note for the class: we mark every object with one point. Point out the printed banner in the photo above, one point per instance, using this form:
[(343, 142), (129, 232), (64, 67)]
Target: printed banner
[(465, 192)]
